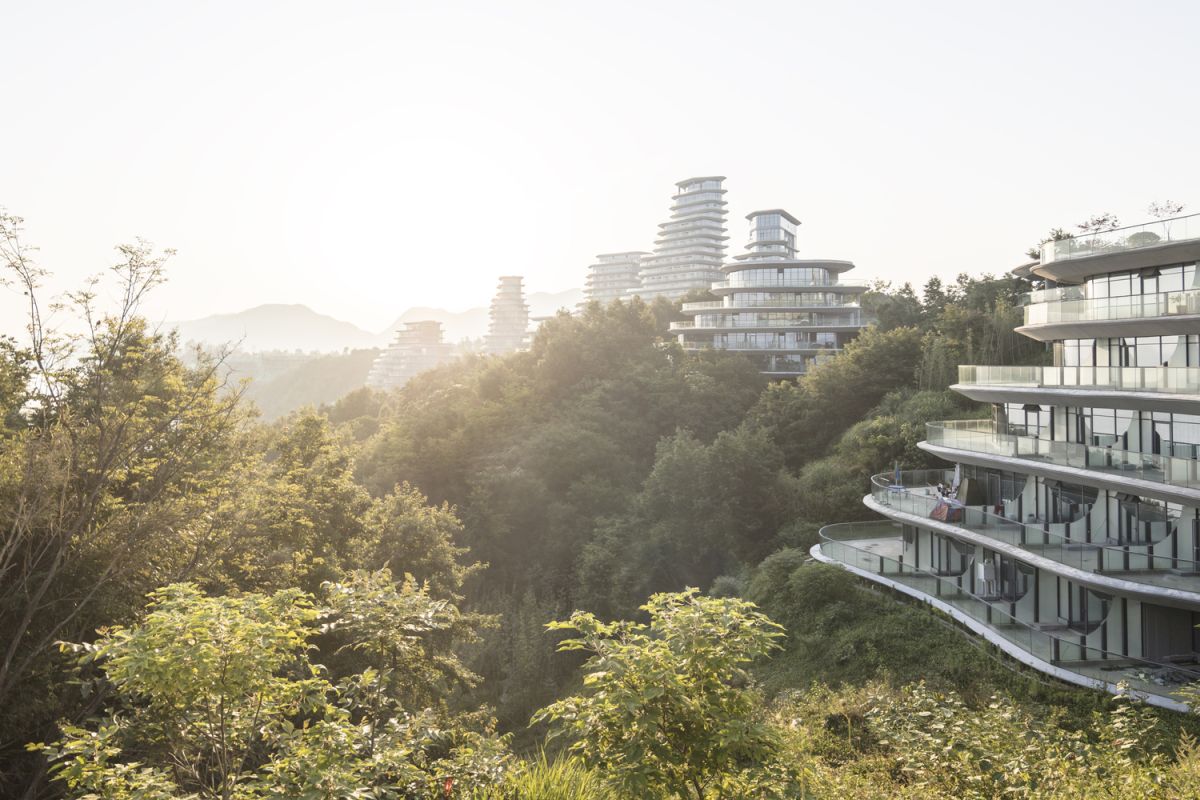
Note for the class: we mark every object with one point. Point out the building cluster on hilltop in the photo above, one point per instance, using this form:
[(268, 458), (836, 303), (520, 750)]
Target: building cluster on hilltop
[(688, 252), (784, 312), (1068, 531)]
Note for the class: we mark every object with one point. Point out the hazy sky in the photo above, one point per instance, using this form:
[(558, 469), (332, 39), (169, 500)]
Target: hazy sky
[(363, 157)]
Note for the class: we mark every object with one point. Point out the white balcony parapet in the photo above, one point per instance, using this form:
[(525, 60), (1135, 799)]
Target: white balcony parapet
[(1067, 543), (873, 551), (982, 436)]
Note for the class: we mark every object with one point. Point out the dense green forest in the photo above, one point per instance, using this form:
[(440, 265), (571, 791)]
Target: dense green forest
[(578, 571)]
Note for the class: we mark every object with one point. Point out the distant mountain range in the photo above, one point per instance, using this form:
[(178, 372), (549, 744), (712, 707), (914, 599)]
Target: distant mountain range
[(276, 327), (298, 327)]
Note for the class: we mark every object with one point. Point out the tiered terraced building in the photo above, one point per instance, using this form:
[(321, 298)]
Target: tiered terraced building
[(415, 349), (1073, 541), (614, 276), (690, 247), (508, 323), (785, 313)]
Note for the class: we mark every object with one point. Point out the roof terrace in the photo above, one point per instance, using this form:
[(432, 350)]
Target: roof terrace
[(1132, 237)]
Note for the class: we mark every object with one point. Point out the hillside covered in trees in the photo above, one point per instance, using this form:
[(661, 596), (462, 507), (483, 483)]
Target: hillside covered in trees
[(577, 571)]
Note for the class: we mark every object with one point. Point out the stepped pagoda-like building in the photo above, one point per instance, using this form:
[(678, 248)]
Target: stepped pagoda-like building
[(417, 348), (508, 328)]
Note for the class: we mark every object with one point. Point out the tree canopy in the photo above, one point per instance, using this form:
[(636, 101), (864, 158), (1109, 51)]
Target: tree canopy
[(352, 600)]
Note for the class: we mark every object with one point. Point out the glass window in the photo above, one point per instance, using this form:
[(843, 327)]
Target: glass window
[(1185, 428), (1170, 279), (1148, 352), (1087, 352), (1075, 353)]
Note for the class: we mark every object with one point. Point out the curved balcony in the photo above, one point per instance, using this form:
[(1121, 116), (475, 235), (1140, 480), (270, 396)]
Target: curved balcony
[(1146, 568), (706, 305), (1132, 237), (1054, 295), (775, 306), (875, 551), (668, 262), (790, 283), (771, 347), (974, 441), (1152, 244), (1163, 313), (1174, 389), (773, 260), (831, 323)]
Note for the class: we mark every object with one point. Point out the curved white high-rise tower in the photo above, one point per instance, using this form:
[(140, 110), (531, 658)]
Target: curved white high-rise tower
[(417, 348), (613, 276), (509, 323), (1069, 536), (784, 312), (690, 247)]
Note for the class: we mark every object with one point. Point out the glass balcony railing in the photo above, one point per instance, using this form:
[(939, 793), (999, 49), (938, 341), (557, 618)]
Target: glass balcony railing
[(740, 302), (784, 346), (981, 436), (1054, 295), (744, 303), (1133, 237), (790, 283), (821, 323), (1178, 380), (1101, 309), (877, 547), (1150, 562)]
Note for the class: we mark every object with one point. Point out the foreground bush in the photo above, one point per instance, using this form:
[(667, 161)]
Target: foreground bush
[(221, 697), (344, 695), (669, 708), (878, 742)]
